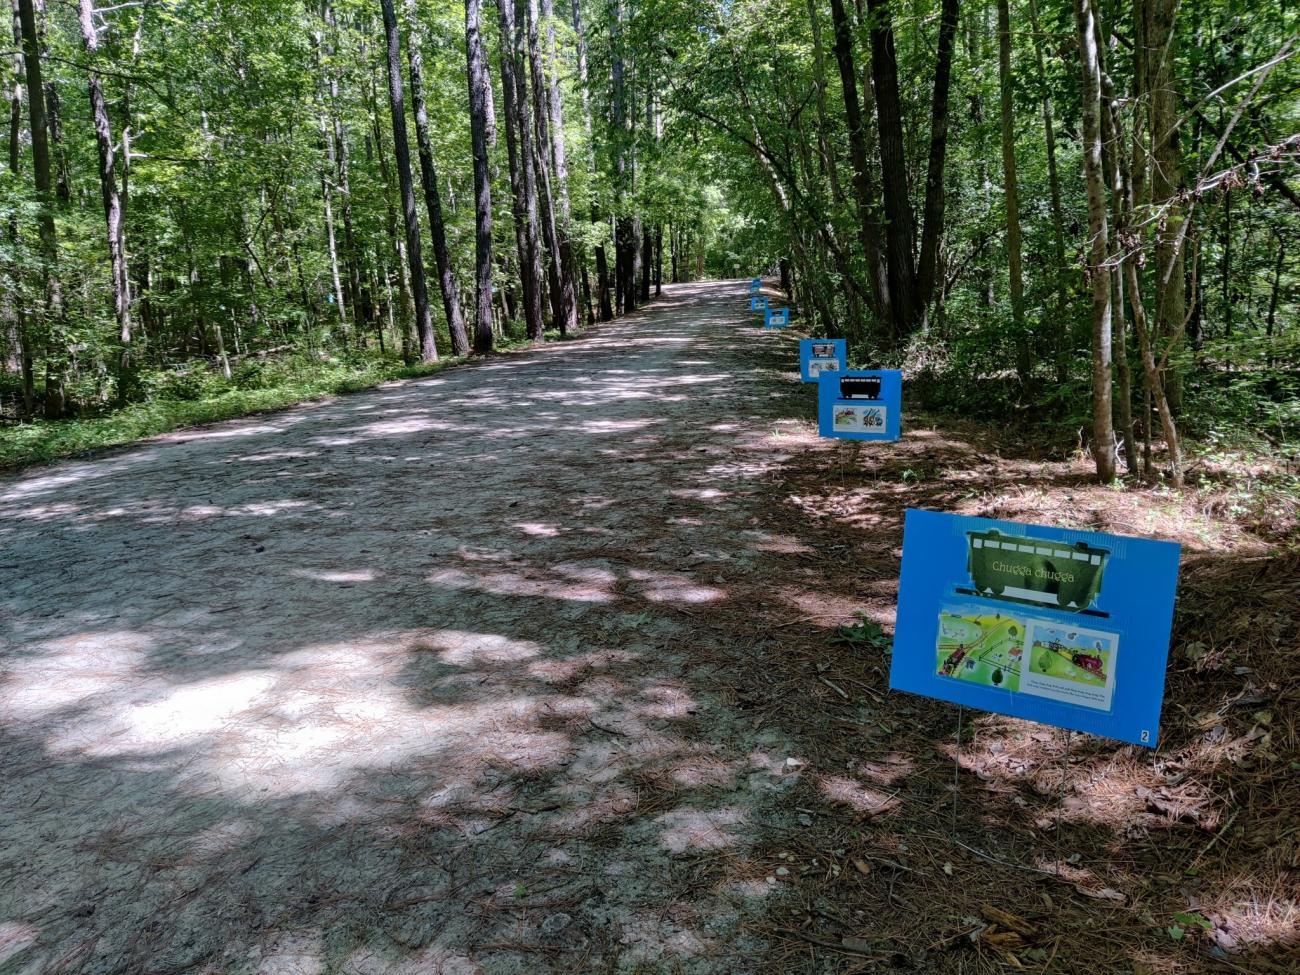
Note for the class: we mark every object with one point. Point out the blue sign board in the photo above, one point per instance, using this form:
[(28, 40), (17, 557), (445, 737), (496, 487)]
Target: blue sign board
[(755, 284), (776, 318), (1070, 628), (821, 355), (860, 405), (758, 303)]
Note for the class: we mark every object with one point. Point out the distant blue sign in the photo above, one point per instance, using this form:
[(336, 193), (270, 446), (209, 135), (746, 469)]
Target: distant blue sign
[(776, 318), (860, 405), (821, 355), (755, 284), (758, 303), (1070, 628)]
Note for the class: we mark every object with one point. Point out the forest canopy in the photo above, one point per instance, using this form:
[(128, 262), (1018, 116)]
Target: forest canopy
[(1079, 215)]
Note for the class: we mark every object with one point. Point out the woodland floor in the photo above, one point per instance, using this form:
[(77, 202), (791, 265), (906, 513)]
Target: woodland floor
[(531, 667)]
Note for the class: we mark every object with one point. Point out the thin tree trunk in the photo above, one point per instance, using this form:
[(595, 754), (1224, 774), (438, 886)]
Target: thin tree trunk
[(561, 313), (1115, 156), (1103, 433), (868, 223), (550, 73), (343, 182), (935, 196), (1061, 330), (899, 239), (402, 154), (659, 259), (480, 92), (519, 144), (429, 180), (1011, 194), (1159, 51), (17, 311), (114, 216), (55, 357)]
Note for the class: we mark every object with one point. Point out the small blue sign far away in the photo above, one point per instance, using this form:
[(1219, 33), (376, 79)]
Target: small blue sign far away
[(1069, 628), (860, 405), (822, 355), (776, 318), (758, 303), (755, 284)]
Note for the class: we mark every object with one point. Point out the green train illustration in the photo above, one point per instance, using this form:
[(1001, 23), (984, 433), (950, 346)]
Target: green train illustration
[(1043, 572)]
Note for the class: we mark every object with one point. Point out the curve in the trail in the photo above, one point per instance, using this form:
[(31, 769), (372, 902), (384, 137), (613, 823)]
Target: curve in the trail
[(419, 676)]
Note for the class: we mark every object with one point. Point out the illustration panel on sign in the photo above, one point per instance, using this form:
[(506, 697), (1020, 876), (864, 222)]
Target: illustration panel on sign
[(1066, 627)]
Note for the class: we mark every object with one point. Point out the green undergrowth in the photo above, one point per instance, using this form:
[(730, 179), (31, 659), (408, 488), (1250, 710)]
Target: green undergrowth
[(193, 396)]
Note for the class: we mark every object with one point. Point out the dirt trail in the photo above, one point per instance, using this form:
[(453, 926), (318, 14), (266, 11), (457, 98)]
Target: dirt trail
[(423, 679)]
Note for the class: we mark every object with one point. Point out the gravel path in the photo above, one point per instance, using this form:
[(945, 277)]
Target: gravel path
[(423, 679)]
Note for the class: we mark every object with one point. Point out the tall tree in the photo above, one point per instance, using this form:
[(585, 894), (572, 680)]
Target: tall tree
[(402, 154), (1098, 269), (935, 192), (55, 354), (480, 94), (429, 182), (868, 222), (115, 218), (563, 303), (559, 168), (899, 240), (1011, 192), (523, 179)]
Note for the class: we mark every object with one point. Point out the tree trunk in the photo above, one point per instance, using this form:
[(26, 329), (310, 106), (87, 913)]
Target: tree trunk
[(343, 185), (1114, 155), (647, 258), (1103, 434), (899, 238), (935, 196), (1061, 329), (113, 213), (550, 72), (659, 259), (429, 180), (55, 356), (624, 232), (480, 91), (16, 309), (402, 154), (868, 222), (523, 182), (1159, 51), (1011, 195), (562, 301)]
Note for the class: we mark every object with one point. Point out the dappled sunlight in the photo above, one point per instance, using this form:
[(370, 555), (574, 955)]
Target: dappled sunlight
[(683, 830), (15, 936), (671, 587), (864, 800)]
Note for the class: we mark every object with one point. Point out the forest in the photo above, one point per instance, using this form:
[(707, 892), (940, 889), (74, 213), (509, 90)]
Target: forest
[(426, 545), (1081, 217)]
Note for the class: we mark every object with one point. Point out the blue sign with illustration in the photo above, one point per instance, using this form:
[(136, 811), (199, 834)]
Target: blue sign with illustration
[(758, 303), (1070, 628), (860, 405), (776, 318), (755, 284), (822, 355)]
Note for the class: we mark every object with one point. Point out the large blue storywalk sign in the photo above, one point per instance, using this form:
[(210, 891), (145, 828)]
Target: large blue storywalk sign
[(822, 355), (1069, 628), (860, 405), (758, 303), (755, 285), (776, 317)]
